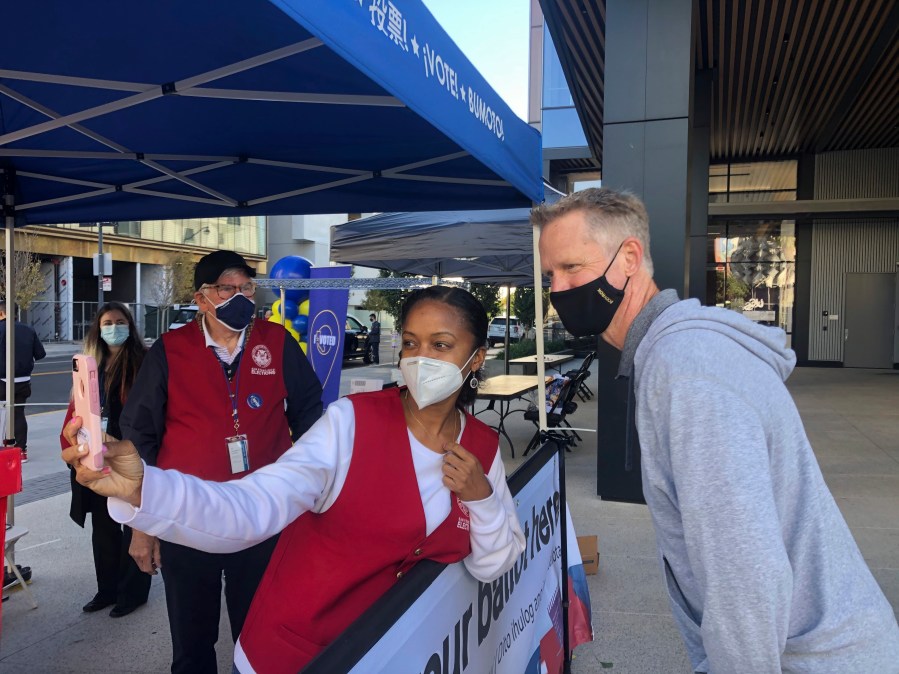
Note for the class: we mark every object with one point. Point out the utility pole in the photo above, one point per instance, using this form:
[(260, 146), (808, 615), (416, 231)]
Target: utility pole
[(100, 267)]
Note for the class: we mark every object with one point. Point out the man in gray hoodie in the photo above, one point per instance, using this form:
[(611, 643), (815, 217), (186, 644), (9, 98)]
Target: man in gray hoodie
[(762, 572)]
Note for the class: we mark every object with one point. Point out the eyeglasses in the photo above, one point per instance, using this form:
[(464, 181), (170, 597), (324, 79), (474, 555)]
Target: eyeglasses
[(227, 291)]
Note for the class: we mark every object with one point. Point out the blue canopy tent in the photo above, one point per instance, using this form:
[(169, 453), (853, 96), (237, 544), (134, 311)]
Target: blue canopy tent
[(484, 246), (257, 107), (170, 109), (493, 246)]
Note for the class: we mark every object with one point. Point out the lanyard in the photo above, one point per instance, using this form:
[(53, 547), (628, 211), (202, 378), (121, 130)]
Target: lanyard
[(232, 394), (101, 385)]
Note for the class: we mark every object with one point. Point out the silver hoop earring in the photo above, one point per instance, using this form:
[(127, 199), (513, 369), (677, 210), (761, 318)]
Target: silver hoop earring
[(473, 382)]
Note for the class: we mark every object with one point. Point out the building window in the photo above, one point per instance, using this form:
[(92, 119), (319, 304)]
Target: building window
[(555, 89), (749, 182), (128, 228), (244, 234), (751, 269)]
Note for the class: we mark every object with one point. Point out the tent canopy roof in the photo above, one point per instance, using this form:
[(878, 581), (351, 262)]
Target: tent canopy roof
[(493, 246), (112, 111)]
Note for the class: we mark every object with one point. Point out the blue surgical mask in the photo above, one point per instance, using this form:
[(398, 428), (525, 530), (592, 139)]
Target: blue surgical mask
[(114, 335), (236, 312)]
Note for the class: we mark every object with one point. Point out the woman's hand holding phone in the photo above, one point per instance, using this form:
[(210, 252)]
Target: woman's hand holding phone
[(86, 393), (123, 475)]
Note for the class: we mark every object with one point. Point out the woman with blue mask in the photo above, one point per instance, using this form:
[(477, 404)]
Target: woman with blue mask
[(115, 344), (406, 470)]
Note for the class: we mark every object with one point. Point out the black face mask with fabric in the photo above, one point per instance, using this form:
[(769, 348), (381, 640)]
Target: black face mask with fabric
[(589, 309)]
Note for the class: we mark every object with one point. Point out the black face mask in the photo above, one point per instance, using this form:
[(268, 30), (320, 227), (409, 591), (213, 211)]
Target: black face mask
[(588, 309)]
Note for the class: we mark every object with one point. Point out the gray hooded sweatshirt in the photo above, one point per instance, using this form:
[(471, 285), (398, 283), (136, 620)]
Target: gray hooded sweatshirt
[(762, 572)]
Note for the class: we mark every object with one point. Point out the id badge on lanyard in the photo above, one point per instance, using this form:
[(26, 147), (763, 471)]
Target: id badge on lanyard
[(238, 453), (237, 445)]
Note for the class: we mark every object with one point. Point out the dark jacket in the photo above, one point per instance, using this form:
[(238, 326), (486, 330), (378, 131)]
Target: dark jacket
[(28, 349), (374, 336)]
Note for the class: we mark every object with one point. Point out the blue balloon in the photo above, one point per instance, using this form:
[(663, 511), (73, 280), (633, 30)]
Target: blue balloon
[(289, 310), (300, 323), (291, 267)]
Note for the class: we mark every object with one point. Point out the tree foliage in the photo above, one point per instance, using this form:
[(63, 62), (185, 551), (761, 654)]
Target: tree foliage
[(391, 301), (730, 289), (523, 305), (177, 285), (386, 300), (488, 296), (29, 281)]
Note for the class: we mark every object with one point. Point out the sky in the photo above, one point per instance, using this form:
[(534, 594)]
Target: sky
[(493, 34)]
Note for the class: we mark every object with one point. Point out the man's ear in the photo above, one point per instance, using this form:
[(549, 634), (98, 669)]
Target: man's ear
[(632, 251)]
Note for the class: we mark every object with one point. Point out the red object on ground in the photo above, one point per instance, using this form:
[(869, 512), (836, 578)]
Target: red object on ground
[(10, 483)]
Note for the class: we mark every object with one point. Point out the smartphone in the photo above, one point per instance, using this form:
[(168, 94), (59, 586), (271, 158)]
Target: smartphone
[(86, 391)]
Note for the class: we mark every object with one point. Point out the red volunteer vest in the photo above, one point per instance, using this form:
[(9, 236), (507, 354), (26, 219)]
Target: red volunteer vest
[(198, 412), (329, 568)]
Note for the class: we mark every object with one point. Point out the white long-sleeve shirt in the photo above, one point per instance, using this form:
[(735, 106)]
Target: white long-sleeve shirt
[(232, 516)]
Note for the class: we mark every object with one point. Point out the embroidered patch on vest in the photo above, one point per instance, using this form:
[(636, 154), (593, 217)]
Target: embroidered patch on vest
[(464, 522), (462, 506), (262, 356)]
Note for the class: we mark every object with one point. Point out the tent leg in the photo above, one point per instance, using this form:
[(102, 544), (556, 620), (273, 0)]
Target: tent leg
[(508, 315), (9, 284), (563, 523)]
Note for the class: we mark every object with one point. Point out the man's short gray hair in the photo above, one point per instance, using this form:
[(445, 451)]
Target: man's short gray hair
[(611, 217)]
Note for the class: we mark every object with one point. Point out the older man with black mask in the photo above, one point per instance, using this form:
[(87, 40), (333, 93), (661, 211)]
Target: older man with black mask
[(762, 572), (217, 398)]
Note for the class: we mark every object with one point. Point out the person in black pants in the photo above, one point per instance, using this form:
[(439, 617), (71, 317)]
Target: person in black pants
[(217, 399), (115, 344), (28, 350), (373, 345)]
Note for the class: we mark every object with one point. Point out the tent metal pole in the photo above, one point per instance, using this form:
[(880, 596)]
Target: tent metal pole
[(538, 316), (101, 268), (9, 284), (563, 523), (9, 222), (508, 318), (283, 312), (560, 448), (119, 148), (157, 91)]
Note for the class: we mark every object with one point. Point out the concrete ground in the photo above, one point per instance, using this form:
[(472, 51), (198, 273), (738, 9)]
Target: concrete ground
[(851, 416)]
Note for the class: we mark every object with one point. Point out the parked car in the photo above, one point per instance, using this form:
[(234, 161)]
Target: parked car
[(496, 332), (355, 335), (182, 314)]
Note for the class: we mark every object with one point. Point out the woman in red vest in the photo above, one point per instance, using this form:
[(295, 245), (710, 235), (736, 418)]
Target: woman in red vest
[(404, 471)]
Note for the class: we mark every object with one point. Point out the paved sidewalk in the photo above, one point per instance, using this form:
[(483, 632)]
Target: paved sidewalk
[(852, 418)]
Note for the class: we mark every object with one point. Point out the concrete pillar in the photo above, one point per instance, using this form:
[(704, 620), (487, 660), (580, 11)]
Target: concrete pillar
[(802, 296), (649, 141)]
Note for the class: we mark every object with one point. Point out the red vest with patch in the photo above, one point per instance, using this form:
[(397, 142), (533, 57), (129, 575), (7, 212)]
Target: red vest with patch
[(198, 415), (329, 568)]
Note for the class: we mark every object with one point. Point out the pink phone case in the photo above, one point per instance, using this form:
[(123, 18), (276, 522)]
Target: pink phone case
[(86, 391)]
